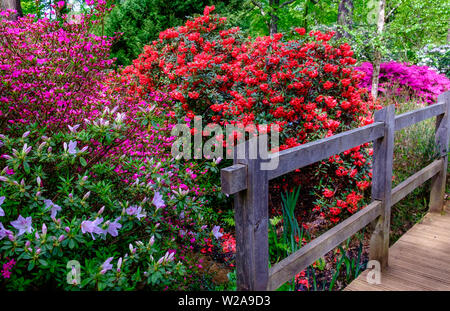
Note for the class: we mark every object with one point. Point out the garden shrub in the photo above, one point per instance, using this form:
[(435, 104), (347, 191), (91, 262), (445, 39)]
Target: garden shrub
[(306, 86), (52, 73), (86, 171), (435, 57), (401, 78)]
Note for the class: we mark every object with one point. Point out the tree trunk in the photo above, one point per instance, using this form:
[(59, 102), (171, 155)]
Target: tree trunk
[(345, 17), (13, 5), (448, 32), (273, 24), (377, 54), (305, 16)]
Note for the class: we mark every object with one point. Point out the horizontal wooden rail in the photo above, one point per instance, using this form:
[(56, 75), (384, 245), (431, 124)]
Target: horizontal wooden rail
[(234, 178), (308, 254), (415, 181), (416, 116), (309, 153), (249, 183), (286, 269)]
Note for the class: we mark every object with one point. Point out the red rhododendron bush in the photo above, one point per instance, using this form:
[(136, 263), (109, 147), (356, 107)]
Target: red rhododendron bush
[(306, 86)]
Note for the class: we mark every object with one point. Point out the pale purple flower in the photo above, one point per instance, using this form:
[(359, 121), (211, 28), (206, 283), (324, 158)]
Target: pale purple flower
[(74, 128), (54, 209), (106, 266), (4, 232), (216, 232), (71, 149), (22, 224), (113, 226), (169, 256), (135, 210), (2, 212), (92, 227), (72, 146), (26, 149), (158, 200)]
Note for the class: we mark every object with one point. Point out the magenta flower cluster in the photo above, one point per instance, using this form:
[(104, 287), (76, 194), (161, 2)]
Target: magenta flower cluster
[(6, 269), (420, 81), (51, 73)]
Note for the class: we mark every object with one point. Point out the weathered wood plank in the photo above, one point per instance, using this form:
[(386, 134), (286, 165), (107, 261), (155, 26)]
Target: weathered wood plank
[(442, 136), (418, 260), (233, 178), (301, 156), (383, 152), (418, 115), (415, 181), (251, 217), (290, 266)]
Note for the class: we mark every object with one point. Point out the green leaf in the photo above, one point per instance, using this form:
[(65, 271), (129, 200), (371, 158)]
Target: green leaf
[(83, 162), (26, 167), (43, 262), (71, 244), (30, 265)]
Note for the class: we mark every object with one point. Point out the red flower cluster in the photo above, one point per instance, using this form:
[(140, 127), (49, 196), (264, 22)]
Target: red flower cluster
[(307, 87)]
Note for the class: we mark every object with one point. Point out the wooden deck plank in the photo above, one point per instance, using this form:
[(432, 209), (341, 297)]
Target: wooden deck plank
[(418, 261)]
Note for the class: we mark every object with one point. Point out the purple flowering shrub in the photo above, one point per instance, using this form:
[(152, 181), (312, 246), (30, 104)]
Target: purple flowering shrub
[(52, 72), (86, 173), (56, 208), (400, 78)]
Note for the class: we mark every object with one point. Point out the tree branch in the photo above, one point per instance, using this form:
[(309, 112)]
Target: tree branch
[(286, 3), (393, 9), (259, 6)]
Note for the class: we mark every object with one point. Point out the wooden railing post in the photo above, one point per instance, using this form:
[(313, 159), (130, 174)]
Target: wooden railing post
[(383, 152), (251, 217), (441, 138)]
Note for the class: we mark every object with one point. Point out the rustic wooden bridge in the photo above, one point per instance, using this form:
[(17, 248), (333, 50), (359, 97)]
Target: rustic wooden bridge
[(419, 260)]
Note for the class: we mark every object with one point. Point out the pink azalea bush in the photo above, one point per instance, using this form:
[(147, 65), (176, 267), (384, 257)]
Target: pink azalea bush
[(418, 81), (85, 168), (51, 73)]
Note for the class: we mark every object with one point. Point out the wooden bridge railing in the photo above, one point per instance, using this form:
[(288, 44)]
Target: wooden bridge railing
[(249, 184)]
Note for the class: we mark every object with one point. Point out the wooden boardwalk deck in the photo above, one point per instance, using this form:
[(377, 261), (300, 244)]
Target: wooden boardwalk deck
[(418, 261)]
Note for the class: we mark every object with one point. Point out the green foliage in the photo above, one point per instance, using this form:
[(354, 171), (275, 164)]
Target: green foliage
[(140, 22), (435, 57)]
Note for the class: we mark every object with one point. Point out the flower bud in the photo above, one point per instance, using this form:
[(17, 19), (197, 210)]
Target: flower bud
[(119, 264), (42, 146), (101, 210), (151, 241), (86, 196)]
